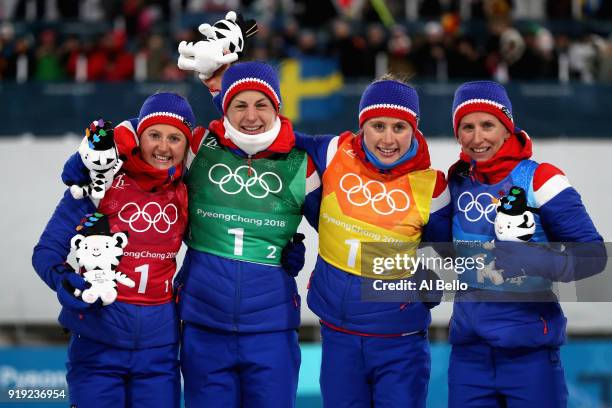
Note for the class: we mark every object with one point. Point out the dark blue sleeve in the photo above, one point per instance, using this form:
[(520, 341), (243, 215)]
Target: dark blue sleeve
[(75, 171), (217, 102), (54, 244), (438, 230), (565, 219), (439, 227), (316, 147), (312, 206)]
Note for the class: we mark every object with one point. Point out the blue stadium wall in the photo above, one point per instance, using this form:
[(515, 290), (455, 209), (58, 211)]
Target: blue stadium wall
[(587, 370), (543, 109)]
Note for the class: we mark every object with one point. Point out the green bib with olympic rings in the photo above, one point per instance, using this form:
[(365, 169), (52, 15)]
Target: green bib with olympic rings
[(244, 209)]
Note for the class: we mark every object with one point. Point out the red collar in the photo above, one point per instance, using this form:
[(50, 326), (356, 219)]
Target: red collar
[(518, 147), (420, 161), (284, 142)]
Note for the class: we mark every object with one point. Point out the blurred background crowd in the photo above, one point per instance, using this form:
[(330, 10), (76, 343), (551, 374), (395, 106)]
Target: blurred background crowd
[(439, 40)]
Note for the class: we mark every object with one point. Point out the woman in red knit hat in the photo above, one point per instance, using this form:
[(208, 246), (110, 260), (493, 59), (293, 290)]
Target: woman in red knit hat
[(507, 328), (248, 188), (125, 354)]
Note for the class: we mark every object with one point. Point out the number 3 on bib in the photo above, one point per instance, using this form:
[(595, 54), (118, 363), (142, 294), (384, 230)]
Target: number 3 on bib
[(238, 234)]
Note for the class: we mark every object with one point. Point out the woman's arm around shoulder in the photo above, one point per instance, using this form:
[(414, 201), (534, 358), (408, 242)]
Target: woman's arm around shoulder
[(53, 247), (321, 148), (438, 228)]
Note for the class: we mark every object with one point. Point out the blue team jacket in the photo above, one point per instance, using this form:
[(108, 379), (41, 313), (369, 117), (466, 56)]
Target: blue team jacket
[(336, 296), (120, 324), (561, 218)]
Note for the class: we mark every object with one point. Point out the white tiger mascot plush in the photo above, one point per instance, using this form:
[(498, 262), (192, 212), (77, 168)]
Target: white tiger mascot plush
[(99, 154), (98, 253), (227, 35)]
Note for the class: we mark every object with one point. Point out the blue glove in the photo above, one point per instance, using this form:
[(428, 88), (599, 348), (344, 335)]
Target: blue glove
[(65, 293), (430, 298), (529, 259), (293, 255)]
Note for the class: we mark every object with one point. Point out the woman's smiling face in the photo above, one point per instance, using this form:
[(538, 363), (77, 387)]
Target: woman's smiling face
[(387, 138), (251, 112), (163, 146), (481, 135)]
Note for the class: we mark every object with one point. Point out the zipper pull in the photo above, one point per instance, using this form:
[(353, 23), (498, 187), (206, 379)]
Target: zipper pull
[(249, 162), (545, 325), (471, 170)]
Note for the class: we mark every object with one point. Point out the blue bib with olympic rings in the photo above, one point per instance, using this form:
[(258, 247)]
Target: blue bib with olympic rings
[(474, 211)]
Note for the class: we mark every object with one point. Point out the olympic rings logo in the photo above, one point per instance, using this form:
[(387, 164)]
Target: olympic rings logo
[(477, 204), (393, 198), (162, 215), (267, 182)]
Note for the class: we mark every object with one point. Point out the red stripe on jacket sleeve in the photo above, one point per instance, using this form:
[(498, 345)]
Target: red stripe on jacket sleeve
[(198, 135), (310, 167), (543, 173), (440, 184)]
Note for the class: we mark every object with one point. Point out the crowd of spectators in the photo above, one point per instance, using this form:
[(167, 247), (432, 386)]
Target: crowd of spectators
[(423, 39)]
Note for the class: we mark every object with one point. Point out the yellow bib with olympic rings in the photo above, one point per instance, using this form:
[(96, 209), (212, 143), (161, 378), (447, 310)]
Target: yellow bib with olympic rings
[(362, 206)]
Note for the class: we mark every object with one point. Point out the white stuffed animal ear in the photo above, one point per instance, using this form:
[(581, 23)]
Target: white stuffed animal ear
[(528, 219), (84, 148), (121, 239), (76, 240), (207, 31)]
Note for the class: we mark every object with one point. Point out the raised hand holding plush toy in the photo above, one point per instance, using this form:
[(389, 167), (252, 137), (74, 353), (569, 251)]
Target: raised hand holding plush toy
[(99, 155), (223, 44), (204, 57), (98, 253)]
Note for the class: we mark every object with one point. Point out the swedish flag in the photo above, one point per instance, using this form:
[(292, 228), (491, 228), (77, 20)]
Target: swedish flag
[(310, 88)]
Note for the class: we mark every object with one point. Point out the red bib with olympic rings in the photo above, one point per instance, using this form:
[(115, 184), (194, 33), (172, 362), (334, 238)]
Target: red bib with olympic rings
[(155, 225)]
